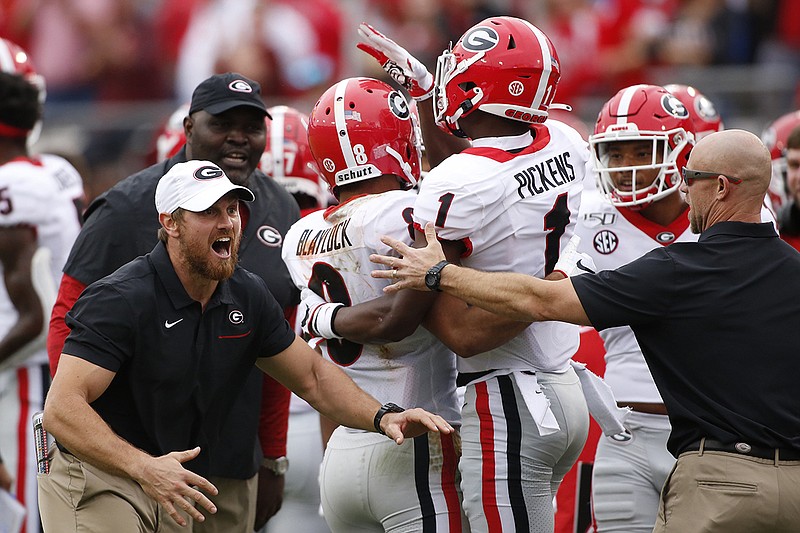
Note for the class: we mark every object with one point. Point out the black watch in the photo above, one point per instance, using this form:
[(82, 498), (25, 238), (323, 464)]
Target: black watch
[(434, 276), (385, 408)]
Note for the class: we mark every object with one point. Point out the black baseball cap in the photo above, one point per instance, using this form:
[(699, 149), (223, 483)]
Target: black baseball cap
[(225, 91)]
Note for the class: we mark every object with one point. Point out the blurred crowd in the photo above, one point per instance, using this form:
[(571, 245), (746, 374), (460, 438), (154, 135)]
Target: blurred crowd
[(133, 51)]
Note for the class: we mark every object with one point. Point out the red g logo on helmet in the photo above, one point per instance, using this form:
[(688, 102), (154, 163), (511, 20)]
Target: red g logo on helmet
[(398, 105), (673, 106), (504, 66), (480, 39), (704, 114), (651, 115), (361, 129)]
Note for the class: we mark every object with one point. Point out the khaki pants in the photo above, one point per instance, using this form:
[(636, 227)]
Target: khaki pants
[(719, 492), (236, 507), (77, 497)]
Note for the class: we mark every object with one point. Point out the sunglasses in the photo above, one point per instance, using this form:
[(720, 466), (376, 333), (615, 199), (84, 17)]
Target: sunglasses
[(690, 175)]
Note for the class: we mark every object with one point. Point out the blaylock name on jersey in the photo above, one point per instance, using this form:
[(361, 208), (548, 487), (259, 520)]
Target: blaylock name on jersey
[(547, 175), (328, 240)]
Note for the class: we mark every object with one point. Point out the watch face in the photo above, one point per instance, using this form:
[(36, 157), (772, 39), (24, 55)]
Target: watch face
[(431, 281), (282, 465), (278, 466)]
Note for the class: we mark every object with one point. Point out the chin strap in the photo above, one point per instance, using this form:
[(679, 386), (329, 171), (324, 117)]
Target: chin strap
[(403, 165), (562, 107)]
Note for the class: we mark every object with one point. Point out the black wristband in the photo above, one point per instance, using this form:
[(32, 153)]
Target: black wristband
[(385, 408), (333, 319)]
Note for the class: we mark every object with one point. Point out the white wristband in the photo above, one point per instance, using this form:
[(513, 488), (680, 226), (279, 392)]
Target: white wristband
[(322, 320)]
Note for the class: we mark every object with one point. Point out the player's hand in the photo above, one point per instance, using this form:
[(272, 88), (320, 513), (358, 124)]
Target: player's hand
[(404, 68), (408, 271), (317, 315), (165, 480), (571, 262), (270, 496), (413, 423)]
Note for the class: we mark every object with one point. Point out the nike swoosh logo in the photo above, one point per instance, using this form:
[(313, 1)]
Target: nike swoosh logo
[(580, 266), (168, 324)]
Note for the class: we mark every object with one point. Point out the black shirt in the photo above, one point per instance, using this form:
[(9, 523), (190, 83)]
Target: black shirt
[(122, 224), (178, 368), (718, 322)]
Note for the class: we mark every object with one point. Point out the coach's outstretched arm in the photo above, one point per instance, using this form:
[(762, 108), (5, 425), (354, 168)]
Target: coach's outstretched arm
[(517, 296), (334, 394)]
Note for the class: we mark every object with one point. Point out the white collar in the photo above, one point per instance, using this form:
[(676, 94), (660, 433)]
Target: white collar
[(508, 142)]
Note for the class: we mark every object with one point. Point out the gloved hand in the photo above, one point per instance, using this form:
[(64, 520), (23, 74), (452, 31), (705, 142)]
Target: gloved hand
[(317, 315), (404, 68), (571, 262)]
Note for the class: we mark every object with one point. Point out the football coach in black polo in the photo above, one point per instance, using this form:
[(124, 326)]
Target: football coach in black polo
[(717, 321), (156, 354), (225, 125)]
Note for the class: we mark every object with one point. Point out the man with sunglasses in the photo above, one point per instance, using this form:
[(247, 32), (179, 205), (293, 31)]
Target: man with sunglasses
[(716, 322), (640, 146)]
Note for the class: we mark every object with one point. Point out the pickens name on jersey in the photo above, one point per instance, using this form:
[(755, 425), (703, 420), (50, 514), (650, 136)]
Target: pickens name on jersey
[(546, 175), (323, 241)]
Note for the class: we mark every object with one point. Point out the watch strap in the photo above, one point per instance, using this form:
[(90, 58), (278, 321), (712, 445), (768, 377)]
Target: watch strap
[(278, 466), (385, 408), (433, 278)]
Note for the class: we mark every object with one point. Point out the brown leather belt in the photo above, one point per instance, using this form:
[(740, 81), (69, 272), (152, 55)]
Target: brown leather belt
[(645, 407)]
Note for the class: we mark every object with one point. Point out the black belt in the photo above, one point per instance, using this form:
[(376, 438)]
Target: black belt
[(744, 448), (465, 378), (62, 449)]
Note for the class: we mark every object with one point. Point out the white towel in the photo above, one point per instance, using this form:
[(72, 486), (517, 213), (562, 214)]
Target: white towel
[(600, 400)]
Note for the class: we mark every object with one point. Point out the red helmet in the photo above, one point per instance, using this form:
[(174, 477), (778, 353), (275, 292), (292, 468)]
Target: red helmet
[(287, 156), (643, 112), (360, 129), (775, 136), (172, 137), (14, 60), (505, 66), (704, 115)]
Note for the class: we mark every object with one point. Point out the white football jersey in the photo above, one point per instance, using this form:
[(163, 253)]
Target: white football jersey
[(33, 195), (330, 250), (614, 237), (513, 204), (69, 180)]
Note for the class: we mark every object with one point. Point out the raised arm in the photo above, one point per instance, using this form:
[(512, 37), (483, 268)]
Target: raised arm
[(415, 77)]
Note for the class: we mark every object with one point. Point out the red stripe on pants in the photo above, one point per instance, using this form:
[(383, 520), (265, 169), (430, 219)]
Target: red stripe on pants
[(489, 496), (449, 466), (22, 431)]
